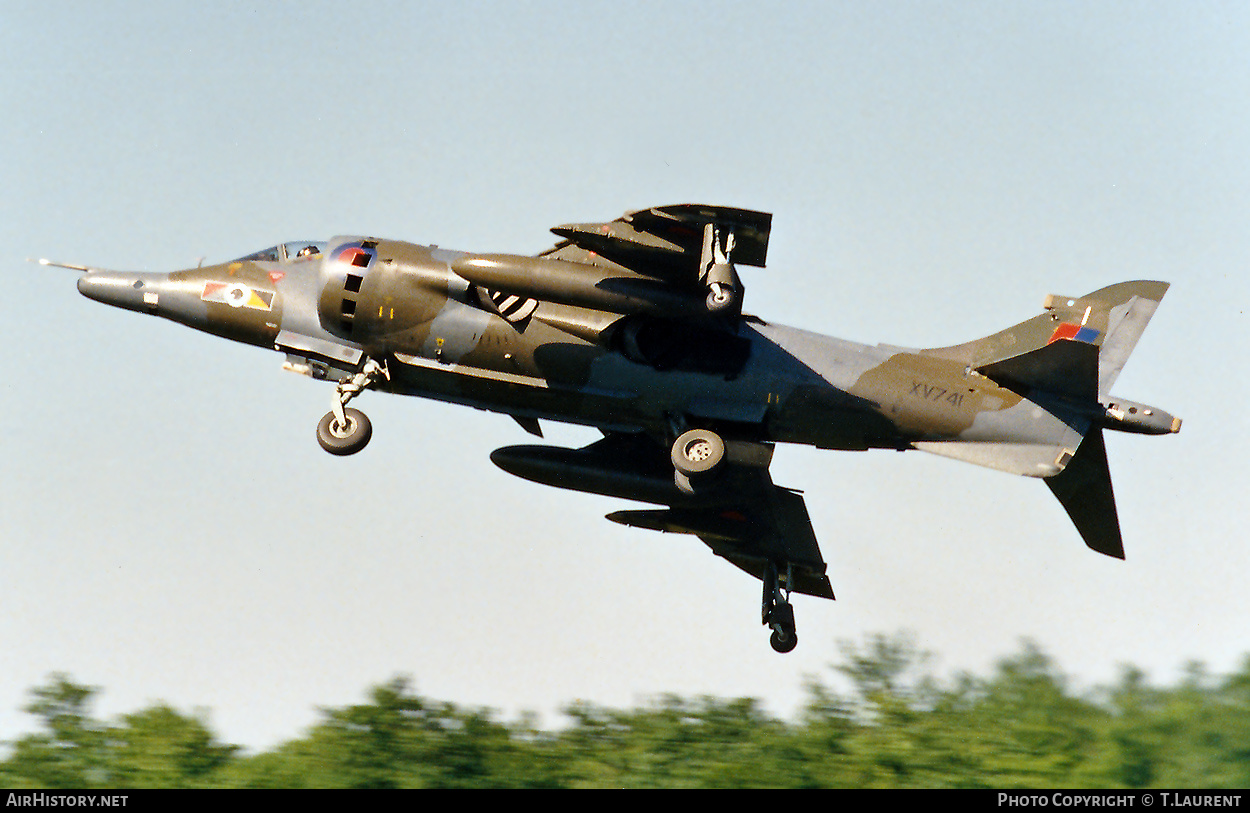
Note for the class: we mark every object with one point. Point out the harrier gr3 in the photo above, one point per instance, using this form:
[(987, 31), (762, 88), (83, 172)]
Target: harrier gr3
[(636, 327)]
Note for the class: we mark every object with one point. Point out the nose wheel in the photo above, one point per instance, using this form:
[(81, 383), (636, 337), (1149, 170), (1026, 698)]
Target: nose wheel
[(777, 611), (344, 436)]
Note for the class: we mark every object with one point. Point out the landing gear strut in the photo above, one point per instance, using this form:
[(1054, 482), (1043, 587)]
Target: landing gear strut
[(777, 611), (346, 431)]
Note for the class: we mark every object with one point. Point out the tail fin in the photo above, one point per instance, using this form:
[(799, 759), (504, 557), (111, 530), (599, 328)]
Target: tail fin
[(1111, 319), (1101, 329)]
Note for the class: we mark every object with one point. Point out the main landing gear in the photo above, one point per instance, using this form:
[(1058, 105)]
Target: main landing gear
[(777, 611), (346, 431)]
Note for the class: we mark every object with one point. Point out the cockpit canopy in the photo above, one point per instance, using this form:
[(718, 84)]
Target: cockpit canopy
[(294, 251)]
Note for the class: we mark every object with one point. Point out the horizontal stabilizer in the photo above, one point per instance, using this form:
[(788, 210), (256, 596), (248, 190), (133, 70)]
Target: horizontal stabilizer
[(1084, 489), (1063, 367)]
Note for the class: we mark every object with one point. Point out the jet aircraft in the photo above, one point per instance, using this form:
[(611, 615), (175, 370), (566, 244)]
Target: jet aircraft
[(636, 327)]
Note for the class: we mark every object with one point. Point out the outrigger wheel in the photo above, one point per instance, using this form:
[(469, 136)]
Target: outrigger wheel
[(344, 437), (778, 612)]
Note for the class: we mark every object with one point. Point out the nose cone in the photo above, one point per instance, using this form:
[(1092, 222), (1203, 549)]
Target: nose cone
[(223, 300), (135, 292)]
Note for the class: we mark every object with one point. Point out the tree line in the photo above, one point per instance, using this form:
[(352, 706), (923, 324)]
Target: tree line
[(1021, 726)]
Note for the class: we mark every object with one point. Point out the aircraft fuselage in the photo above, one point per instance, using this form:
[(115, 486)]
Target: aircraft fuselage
[(568, 363)]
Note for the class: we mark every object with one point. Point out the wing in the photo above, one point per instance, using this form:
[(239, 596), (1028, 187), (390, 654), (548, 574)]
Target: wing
[(668, 261), (754, 526), (746, 518), (665, 242)]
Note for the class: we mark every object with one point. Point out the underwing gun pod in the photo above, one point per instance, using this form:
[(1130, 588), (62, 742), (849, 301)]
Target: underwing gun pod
[(636, 327)]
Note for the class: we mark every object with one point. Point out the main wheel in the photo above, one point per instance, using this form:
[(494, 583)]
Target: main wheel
[(698, 452), (344, 439)]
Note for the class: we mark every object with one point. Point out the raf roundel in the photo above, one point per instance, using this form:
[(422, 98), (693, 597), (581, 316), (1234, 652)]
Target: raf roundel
[(237, 295)]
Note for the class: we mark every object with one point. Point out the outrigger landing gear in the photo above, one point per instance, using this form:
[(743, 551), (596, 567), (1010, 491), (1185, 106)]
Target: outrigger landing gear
[(717, 272), (777, 611), (346, 431)]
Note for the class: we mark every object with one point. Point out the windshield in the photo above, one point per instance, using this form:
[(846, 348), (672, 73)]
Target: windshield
[(294, 251), (303, 250)]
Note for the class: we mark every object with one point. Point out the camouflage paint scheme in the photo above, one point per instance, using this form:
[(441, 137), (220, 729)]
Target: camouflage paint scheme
[(635, 327)]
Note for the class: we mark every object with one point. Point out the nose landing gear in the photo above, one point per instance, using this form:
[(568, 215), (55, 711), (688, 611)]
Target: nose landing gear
[(345, 431)]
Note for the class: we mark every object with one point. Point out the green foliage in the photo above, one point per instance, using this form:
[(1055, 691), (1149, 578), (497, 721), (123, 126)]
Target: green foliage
[(69, 752), (898, 726), (401, 740), (678, 743), (154, 748), (160, 748)]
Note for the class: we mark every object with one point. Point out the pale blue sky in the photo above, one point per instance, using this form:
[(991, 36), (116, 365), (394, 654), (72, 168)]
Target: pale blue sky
[(172, 531)]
